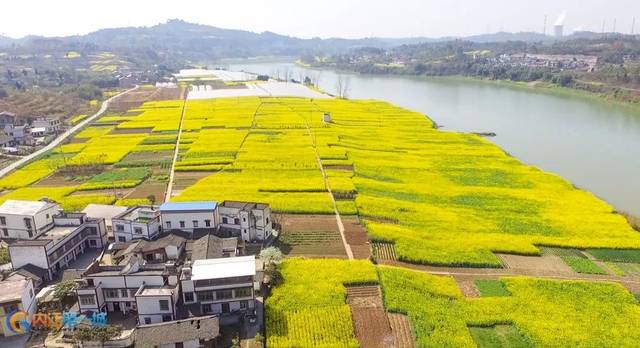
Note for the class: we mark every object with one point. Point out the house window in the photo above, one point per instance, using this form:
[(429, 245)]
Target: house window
[(207, 223), (147, 320), (111, 293), (149, 257), (30, 233), (124, 292), (122, 239), (5, 232), (92, 242), (138, 230), (243, 292), (236, 221), (244, 219), (182, 224), (164, 305), (87, 300), (31, 293), (47, 216), (224, 220), (120, 228), (267, 220), (188, 297), (205, 295), (195, 223), (166, 318), (224, 294), (168, 223), (206, 308), (3, 220), (27, 222), (179, 345), (244, 304)]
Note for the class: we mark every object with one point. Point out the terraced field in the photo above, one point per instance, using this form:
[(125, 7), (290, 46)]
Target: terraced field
[(440, 197)]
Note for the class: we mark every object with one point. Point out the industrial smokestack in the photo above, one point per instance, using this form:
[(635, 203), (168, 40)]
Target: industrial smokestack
[(558, 26)]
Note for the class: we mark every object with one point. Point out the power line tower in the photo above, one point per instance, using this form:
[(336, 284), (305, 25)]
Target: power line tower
[(614, 25), (604, 21), (544, 28)]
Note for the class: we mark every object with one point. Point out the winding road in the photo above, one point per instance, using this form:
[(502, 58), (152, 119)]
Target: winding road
[(57, 141)]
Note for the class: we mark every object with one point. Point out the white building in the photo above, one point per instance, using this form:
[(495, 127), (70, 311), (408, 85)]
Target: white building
[(16, 294), (188, 216), (250, 221), (26, 219), (106, 212), (50, 124), (144, 288), (66, 239), (140, 222), (214, 286)]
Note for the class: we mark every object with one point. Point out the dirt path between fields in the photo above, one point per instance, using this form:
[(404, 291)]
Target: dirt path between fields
[(632, 283), (172, 174), (347, 247)]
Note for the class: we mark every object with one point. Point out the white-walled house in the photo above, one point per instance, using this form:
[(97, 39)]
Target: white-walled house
[(122, 289), (247, 220), (69, 236), (215, 286), (26, 219), (106, 212), (50, 124), (188, 216), (16, 294), (140, 222)]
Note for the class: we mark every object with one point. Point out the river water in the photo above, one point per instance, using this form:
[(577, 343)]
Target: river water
[(593, 144)]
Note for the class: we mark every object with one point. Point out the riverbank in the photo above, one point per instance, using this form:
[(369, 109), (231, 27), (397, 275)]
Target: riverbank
[(552, 89)]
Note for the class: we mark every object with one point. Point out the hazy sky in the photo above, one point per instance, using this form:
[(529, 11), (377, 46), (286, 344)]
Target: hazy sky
[(325, 18)]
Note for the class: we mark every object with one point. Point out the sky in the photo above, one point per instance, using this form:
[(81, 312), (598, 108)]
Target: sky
[(326, 18)]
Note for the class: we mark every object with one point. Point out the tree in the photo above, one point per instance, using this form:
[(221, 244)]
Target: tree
[(63, 289), (97, 333), (342, 86), (271, 256)]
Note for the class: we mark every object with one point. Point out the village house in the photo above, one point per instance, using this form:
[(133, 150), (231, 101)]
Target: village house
[(169, 247), (247, 220), (210, 246), (106, 212), (188, 216), (5, 140), (16, 294), (51, 125), (215, 286), (6, 118), (27, 219), (149, 289), (140, 222), (60, 243), (188, 333)]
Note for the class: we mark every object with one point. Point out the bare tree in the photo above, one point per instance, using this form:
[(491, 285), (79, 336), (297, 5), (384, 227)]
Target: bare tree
[(342, 86)]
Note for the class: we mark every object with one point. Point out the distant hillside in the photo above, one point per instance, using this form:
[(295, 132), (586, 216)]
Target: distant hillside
[(180, 40)]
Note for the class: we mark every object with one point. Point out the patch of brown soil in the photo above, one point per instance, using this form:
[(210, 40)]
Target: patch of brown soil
[(145, 190), (546, 263), (370, 322), (293, 222), (357, 238), (401, 330)]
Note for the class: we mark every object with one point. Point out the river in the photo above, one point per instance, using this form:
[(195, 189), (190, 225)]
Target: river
[(594, 144)]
